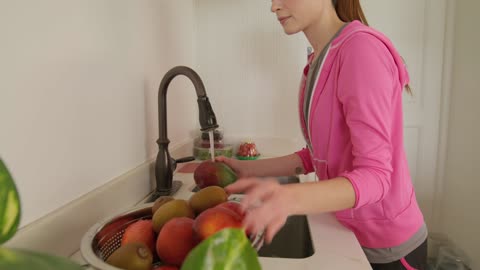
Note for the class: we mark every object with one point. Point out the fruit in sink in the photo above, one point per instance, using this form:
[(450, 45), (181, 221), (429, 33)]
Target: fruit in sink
[(166, 267), (175, 240), (210, 173), (107, 233), (169, 210), (215, 219), (236, 208), (132, 256), (159, 202), (141, 231), (233, 206), (207, 198)]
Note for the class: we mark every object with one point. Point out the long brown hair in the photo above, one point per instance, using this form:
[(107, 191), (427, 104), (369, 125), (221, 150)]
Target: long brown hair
[(351, 10)]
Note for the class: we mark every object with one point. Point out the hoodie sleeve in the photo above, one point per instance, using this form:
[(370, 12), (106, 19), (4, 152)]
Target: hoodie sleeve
[(366, 82), (304, 154)]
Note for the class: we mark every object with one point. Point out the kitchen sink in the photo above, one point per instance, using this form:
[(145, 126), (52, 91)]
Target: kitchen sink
[(294, 239), (281, 180)]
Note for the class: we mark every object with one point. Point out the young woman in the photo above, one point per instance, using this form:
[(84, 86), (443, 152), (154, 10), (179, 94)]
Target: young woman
[(350, 106)]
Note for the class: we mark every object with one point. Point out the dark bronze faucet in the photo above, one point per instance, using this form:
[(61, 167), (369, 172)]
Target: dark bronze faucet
[(165, 165)]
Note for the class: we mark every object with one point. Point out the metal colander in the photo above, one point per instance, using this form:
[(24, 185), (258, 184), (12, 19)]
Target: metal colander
[(104, 237)]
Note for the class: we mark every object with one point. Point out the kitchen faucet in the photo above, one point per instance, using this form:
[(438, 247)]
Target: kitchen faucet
[(165, 165)]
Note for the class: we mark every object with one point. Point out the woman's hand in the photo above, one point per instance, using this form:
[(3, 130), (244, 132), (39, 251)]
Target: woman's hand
[(240, 167), (267, 204)]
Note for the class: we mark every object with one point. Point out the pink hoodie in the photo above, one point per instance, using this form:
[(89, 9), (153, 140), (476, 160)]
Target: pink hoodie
[(356, 131)]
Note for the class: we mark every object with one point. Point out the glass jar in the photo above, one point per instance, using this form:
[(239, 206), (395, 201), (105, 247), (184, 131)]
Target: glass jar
[(201, 146), (204, 140)]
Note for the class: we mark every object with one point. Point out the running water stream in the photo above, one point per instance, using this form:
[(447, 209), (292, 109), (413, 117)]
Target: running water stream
[(212, 147)]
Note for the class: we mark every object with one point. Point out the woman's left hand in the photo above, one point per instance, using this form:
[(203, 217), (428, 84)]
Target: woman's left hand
[(266, 202)]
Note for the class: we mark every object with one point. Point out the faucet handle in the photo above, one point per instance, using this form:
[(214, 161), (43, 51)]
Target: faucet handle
[(181, 160)]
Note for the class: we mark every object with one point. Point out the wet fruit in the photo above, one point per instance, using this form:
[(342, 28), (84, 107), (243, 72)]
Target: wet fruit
[(215, 219), (169, 210), (141, 232), (109, 231), (233, 206), (210, 173), (132, 256), (207, 197), (159, 202), (166, 267), (176, 240)]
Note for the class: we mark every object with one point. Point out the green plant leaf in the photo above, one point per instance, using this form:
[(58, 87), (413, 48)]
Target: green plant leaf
[(228, 249), (9, 205), (27, 260)]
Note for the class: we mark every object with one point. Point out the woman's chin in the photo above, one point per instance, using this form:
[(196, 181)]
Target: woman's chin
[(291, 32)]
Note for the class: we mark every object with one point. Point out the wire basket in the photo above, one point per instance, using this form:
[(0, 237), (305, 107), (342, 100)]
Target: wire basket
[(104, 237)]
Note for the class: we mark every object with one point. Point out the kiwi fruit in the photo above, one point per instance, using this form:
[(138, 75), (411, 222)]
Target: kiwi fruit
[(132, 256)]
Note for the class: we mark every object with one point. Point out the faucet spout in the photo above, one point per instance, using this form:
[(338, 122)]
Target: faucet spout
[(165, 165), (207, 118)]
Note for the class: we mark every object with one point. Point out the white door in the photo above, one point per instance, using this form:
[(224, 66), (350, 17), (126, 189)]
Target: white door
[(418, 30)]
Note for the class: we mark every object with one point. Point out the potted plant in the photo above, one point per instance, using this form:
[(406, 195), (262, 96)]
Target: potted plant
[(10, 212)]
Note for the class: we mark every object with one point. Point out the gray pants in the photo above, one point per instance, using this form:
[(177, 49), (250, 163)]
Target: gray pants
[(416, 259)]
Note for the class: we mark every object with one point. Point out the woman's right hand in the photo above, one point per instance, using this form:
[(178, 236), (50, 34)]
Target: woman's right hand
[(240, 167)]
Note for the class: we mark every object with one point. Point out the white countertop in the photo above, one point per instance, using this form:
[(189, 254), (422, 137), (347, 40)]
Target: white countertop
[(335, 247)]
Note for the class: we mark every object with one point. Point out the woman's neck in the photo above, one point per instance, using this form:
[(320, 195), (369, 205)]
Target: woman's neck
[(320, 32)]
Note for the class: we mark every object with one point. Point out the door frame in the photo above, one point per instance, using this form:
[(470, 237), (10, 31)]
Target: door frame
[(449, 46)]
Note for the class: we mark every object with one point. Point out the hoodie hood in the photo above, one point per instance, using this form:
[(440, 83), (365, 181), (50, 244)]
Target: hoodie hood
[(357, 27)]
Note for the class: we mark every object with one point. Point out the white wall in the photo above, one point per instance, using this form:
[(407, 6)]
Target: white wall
[(78, 91), (460, 214), (251, 68)]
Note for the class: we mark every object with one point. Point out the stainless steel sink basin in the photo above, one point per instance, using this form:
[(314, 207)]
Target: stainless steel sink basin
[(281, 180), (294, 239)]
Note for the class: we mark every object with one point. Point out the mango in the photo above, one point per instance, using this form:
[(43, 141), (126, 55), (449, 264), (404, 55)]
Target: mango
[(207, 198), (233, 206), (176, 240), (159, 202), (210, 173), (214, 220), (170, 210)]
